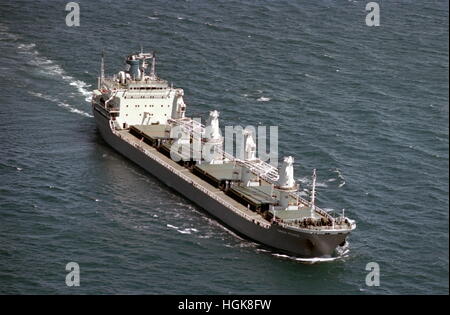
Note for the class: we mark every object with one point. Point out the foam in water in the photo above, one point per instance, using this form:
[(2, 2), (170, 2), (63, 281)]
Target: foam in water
[(49, 67), (61, 104), (307, 181), (182, 231), (81, 87), (4, 34), (341, 253), (340, 177), (26, 46)]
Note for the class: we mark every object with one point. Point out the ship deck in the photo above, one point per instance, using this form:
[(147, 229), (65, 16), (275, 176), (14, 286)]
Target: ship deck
[(292, 215), (212, 176), (186, 172), (257, 196), (151, 132), (220, 172)]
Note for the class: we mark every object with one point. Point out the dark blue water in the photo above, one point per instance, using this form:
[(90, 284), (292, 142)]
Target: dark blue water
[(366, 106)]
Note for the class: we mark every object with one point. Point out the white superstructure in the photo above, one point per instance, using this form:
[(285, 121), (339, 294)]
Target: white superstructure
[(135, 98)]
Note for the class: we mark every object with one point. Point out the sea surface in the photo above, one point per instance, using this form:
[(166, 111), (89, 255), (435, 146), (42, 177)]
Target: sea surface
[(367, 106)]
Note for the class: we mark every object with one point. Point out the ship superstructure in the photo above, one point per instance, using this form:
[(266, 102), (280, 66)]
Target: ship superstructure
[(143, 118)]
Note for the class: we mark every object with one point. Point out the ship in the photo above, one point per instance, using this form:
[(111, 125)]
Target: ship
[(143, 117)]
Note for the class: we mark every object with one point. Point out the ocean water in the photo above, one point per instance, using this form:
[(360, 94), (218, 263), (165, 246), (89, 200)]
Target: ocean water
[(366, 106)]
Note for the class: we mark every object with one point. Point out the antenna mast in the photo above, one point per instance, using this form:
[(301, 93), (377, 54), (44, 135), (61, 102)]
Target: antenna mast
[(102, 70), (313, 192), (153, 70)]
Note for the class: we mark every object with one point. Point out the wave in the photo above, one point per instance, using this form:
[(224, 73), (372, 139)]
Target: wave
[(81, 87), (308, 181), (263, 99), (61, 104), (342, 252), (50, 67), (26, 46), (182, 231), (307, 260), (340, 177), (5, 34), (74, 110)]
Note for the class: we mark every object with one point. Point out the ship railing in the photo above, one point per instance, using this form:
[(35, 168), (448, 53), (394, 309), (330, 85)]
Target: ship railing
[(337, 224), (115, 109), (193, 183), (262, 169), (307, 203), (308, 228), (190, 126)]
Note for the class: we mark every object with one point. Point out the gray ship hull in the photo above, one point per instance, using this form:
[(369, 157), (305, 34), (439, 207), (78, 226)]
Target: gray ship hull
[(294, 242)]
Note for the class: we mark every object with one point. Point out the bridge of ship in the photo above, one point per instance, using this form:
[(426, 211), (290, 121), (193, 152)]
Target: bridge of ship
[(136, 85)]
